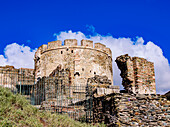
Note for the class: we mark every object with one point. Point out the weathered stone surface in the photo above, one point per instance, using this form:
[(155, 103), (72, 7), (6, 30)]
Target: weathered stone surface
[(56, 86), (101, 85), (11, 77), (137, 73), (122, 109), (168, 95), (83, 61)]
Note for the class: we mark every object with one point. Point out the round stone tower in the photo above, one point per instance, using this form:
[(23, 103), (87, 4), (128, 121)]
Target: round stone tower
[(83, 61)]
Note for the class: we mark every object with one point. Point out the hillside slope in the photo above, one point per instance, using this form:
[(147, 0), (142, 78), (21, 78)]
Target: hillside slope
[(15, 111)]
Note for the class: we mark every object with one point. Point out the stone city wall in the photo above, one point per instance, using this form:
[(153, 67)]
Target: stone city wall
[(11, 77), (123, 109)]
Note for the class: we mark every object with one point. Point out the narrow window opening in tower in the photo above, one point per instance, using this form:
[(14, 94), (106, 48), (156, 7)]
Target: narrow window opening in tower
[(71, 51), (82, 69), (77, 73), (94, 72), (61, 52), (66, 49), (90, 71)]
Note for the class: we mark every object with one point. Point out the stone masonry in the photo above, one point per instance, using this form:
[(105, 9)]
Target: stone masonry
[(83, 61), (101, 85), (54, 87), (137, 74), (56, 94), (130, 110), (11, 77)]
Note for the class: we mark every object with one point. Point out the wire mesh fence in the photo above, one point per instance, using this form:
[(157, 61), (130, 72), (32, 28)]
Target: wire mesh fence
[(51, 93)]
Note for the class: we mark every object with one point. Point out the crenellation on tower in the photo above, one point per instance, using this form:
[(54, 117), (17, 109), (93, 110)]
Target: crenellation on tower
[(70, 42), (54, 44), (108, 51), (100, 46), (38, 52), (87, 43), (43, 48)]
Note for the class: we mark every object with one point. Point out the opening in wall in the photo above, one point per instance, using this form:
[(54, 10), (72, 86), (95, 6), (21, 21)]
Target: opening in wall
[(77, 73), (94, 72), (82, 69), (61, 52), (71, 51)]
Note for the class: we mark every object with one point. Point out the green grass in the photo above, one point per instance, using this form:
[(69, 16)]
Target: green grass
[(15, 111)]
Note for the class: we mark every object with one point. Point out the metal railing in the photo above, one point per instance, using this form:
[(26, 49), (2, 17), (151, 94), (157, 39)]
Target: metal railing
[(51, 93)]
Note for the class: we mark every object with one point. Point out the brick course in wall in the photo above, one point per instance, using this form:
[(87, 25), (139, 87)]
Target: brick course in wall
[(137, 74)]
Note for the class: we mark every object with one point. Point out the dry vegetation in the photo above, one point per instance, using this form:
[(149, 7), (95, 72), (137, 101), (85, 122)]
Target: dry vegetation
[(15, 111)]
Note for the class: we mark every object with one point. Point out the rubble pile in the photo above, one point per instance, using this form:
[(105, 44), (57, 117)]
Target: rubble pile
[(132, 110), (99, 81), (101, 85)]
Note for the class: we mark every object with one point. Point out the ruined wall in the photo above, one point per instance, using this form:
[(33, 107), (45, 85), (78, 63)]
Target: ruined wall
[(12, 78), (26, 76), (57, 88), (53, 87), (83, 61), (137, 74), (124, 110), (8, 77), (101, 85), (55, 93)]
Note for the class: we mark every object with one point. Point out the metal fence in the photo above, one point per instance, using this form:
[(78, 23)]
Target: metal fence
[(17, 80), (51, 94)]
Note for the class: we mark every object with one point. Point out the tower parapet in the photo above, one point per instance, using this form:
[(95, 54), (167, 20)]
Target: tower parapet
[(40, 50), (43, 48), (108, 51), (70, 42), (100, 46), (87, 43), (54, 44)]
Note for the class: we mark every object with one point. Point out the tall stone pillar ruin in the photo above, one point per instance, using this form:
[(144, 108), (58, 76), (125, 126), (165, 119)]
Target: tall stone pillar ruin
[(137, 74)]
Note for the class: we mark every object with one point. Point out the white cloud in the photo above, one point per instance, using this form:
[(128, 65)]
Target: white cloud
[(121, 46), (18, 56), (70, 35)]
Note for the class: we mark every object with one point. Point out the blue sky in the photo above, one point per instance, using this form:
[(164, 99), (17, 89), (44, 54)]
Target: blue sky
[(34, 22), (37, 20)]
